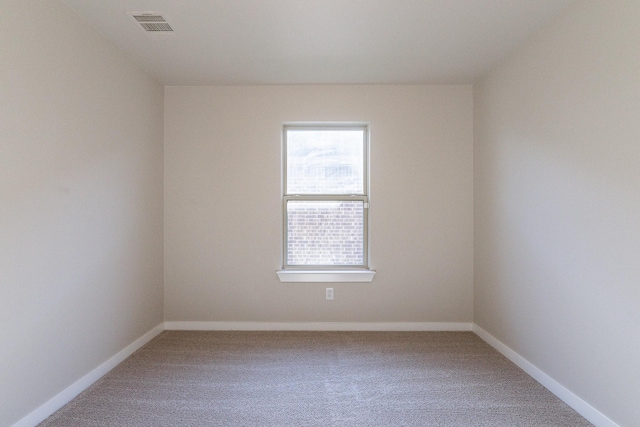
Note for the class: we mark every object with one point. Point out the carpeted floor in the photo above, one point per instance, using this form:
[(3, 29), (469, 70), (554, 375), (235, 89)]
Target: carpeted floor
[(316, 379)]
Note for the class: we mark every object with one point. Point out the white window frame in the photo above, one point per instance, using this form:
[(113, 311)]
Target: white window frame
[(326, 273)]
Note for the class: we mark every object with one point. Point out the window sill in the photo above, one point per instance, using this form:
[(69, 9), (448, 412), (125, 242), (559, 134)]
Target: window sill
[(325, 276)]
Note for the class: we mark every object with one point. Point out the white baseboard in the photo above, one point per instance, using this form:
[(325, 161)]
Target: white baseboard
[(567, 396), (66, 395), (317, 326)]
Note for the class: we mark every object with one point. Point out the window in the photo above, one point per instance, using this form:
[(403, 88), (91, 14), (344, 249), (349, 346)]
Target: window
[(325, 197)]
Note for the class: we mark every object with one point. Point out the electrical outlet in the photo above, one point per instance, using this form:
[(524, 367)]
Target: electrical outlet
[(329, 294)]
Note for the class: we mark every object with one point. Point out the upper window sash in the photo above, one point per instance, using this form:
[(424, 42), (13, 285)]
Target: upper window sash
[(329, 160)]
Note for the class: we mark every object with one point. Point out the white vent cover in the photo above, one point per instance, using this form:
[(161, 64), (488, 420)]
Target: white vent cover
[(155, 24)]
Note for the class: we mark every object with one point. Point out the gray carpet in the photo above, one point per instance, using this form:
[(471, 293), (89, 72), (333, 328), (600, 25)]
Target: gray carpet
[(316, 379)]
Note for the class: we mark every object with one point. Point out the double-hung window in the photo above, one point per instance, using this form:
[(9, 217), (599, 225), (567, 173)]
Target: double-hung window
[(325, 198)]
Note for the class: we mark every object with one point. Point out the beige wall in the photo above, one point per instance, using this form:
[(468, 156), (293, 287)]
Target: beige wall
[(223, 214), (557, 204), (80, 203)]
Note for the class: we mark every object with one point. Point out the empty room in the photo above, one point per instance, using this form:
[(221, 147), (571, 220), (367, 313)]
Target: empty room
[(320, 213)]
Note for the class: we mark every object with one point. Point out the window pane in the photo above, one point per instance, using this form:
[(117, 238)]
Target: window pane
[(325, 161), (325, 233)]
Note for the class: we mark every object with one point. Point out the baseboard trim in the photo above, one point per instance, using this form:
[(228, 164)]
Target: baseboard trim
[(66, 395), (594, 416), (317, 326)]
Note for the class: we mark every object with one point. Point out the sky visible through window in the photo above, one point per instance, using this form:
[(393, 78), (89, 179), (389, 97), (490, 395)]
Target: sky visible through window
[(325, 162)]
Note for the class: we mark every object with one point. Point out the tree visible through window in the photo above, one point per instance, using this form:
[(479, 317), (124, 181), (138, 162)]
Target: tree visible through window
[(325, 196)]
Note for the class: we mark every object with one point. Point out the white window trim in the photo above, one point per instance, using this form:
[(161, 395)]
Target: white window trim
[(327, 274)]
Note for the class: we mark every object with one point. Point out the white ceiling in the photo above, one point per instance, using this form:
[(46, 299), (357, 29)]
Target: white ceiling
[(228, 42)]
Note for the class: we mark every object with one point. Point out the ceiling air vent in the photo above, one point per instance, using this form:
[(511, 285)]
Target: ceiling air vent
[(153, 23)]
